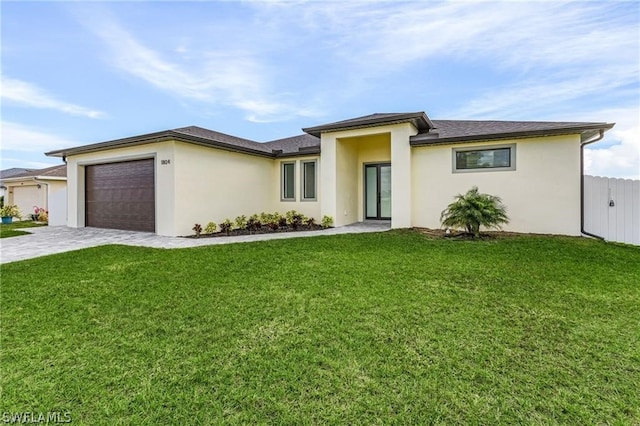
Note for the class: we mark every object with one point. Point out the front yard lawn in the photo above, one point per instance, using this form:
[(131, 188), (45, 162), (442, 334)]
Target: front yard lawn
[(381, 328), (11, 229)]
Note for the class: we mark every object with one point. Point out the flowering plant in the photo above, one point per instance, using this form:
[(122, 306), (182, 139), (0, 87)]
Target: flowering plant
[(40, 214)]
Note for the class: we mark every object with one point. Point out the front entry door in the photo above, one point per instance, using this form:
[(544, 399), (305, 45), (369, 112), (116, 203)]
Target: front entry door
[(377, 178)]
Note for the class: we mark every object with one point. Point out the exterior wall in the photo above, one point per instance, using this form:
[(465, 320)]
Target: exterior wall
[(542, 194), (344, 155), (308, 208), (162, 152), (57, 202), (26, 194), (212, 185)]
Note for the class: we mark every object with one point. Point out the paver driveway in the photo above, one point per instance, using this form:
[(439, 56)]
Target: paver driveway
[(58, 239)]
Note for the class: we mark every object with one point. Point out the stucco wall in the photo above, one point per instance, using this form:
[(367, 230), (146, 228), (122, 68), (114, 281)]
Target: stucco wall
[(57, 202), (542, 195), (212, 185), (308, 208)]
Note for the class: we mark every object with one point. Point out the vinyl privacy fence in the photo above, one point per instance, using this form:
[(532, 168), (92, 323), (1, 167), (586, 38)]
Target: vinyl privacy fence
[(612, 208)]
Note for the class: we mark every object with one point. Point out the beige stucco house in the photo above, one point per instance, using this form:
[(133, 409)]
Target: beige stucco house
[(43, 188), (402, 167)]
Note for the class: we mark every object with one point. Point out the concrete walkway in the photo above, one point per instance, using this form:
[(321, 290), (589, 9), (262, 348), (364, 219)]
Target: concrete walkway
[(58, 239)]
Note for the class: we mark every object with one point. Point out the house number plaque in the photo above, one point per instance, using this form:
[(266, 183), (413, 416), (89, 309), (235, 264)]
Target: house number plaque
[(165, 162)]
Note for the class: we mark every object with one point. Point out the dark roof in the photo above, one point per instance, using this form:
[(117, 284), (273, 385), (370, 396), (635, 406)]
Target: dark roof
[(419, 120), (58, 171), (296, 144), (214, 136), (201, 136), (429, 133), (448, 131), (7, 173)]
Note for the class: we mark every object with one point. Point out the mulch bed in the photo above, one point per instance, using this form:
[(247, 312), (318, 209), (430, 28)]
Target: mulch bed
[(262, 230), (460, 235)]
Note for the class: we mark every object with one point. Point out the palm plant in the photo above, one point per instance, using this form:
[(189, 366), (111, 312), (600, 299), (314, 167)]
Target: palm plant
[(473, 210)]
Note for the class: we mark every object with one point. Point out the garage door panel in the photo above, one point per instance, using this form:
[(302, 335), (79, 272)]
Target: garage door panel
[(27, 197), (121, 195)]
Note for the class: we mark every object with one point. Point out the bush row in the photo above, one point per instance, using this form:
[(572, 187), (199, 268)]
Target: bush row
[(254, 223)]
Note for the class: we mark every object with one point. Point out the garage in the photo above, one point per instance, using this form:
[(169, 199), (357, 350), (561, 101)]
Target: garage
[(26, 197), (121, 195)]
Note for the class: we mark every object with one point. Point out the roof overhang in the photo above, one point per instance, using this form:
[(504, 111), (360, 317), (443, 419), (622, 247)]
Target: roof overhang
[(157, 137), (586, 132), (33, 178), (170, 135), (419, 120)]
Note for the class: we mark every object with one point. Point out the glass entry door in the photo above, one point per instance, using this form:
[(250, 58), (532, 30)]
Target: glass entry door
[(377, 189)]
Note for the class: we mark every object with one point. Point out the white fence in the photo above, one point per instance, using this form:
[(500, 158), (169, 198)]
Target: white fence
[(612, 208)]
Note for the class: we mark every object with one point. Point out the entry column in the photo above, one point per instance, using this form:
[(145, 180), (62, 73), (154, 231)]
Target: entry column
[(401, 175), (328, 170)]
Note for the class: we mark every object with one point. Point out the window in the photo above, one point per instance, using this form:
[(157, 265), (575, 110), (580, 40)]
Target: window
[(288, 178), (308, 180), (493, 158)]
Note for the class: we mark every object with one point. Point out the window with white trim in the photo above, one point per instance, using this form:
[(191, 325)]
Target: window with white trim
[(288, 181), (486, 158), (309, 174)]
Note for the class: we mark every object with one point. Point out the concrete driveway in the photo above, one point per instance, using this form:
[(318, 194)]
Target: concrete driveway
[(58, 239)]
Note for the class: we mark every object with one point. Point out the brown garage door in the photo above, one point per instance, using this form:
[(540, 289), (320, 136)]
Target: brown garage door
[(121, 195)]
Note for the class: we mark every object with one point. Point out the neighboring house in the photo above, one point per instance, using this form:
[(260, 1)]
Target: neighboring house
[(6, 173), (401, 167), (44, 188)]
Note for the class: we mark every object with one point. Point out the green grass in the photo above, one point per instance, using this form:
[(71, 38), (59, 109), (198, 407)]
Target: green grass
[(11, 229), (389, 328)]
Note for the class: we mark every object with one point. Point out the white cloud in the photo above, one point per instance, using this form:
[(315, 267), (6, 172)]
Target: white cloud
[(515, 35), (622, 159), (17, 137), (549, 97), (24, 93), (229, 77)]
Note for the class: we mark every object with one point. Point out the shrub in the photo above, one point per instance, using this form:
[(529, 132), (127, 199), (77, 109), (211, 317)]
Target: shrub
[(253, 223), (241, 222), (289, 215), (226, 226), (310, 221), (473, 210), (294, 219), (327, 221), (197, 228), (265, 217), (210, 228), (274, 221), (10, 210)]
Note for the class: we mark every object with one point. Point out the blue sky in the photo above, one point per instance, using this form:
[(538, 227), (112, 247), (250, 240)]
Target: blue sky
[(75, 73)]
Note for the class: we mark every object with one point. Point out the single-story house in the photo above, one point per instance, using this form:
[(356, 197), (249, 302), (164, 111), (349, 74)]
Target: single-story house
[(44, 188), (402, 167), (7, 173)]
